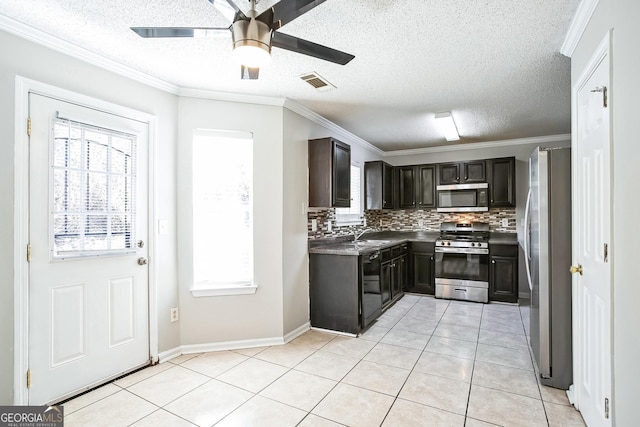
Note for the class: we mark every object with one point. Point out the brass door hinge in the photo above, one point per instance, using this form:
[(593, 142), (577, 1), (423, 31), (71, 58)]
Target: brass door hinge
[(28, 378), (606, 252), (606, 407), (28, 252), (29, 126)]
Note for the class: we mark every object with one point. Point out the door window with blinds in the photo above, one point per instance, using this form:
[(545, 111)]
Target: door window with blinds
[(353, 214), (93, 190), (222, 210)]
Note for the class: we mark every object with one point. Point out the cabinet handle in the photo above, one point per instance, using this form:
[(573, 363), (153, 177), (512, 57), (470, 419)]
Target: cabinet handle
[(465, 178), (431, 258), (493, 261)]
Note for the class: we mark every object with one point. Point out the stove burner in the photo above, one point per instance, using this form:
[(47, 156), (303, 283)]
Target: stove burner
[(464, 235)]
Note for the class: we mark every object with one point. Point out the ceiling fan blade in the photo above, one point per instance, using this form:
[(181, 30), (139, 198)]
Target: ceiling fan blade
[(249, 73), (161, 32), (229, 9), (294, 44), (286, 11)]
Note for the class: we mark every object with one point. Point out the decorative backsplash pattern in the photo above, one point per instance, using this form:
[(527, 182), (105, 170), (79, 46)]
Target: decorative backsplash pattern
[(407, 220)]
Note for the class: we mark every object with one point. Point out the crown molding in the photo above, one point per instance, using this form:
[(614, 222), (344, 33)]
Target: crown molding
[(231, 97), (563, 138), (340, 132), (577, 27), (35, 35)]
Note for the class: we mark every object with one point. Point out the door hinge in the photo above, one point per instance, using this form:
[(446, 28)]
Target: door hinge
[(606, 407), (28, 378), (603, 90), (28, 252), (606, 252), (28, 126)]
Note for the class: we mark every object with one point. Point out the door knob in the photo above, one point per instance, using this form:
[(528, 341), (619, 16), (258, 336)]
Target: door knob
[(573, 269), (142, 261)]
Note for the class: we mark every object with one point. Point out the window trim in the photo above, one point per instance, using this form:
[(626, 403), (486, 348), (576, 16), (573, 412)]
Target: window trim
[(210, 288)]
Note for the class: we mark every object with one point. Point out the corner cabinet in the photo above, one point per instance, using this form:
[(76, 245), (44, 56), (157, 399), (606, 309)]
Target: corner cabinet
[(378, 185), (503, 273), (329, 173), (462, 172), (502, 182)]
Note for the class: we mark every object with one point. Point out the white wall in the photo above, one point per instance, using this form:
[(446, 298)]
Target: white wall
[(21, 57), (622, 16)]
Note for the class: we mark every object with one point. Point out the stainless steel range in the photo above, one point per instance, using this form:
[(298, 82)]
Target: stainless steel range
[(462, 261)]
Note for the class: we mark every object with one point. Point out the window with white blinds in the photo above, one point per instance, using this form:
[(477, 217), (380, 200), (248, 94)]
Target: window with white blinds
[(94, 185), (222, 209), (353, 214)]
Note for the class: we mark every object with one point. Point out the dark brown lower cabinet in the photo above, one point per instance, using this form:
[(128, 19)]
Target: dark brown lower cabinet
[(393, 272), (422, 268), (503, 273)]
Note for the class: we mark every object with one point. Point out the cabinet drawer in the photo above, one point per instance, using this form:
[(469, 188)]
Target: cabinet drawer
[(504, 250), (428, 247)]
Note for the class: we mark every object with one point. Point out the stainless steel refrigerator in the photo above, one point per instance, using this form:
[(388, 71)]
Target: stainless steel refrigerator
[(547, 242)]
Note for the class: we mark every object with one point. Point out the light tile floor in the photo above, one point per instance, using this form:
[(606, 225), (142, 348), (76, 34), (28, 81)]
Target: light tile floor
[(425, 362)]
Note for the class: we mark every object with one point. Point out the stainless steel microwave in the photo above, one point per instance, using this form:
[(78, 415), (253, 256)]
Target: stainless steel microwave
[(463, 197)]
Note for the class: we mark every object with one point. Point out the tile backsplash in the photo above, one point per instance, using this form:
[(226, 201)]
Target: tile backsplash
[(407, 220)]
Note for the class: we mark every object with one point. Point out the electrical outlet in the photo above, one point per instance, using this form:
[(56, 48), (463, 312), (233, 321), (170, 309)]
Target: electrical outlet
[(505, 222), (329, 226), (314, 225), (175, 316), (380, 223), (421, 223)]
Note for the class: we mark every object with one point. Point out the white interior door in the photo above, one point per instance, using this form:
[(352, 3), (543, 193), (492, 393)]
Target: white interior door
[(592, 230), (88, 293)]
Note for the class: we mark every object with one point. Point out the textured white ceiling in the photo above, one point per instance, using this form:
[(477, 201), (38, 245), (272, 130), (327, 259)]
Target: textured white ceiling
[(493, 63)]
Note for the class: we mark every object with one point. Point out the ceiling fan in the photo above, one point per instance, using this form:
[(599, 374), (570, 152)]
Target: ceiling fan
[(254, 35)]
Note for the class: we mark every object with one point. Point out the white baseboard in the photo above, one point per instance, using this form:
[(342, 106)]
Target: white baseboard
[(329, 331), (231, 345), (297, 332), (165, 356)]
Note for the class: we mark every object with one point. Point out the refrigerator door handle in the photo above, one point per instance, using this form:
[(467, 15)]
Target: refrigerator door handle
[(527, 240)]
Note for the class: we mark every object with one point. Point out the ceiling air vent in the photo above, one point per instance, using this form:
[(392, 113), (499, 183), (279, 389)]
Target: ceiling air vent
[(318, 82)]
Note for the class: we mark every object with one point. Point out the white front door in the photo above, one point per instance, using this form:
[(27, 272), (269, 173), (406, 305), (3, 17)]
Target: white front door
[(88, 278), (593, 251)]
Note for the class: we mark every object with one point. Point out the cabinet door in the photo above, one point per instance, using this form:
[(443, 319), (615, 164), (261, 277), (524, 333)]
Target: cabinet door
[(385, 281), (387, 186), (341, 184), (406, 187), (426, 186), (423, 273), (373, 185), (401, 273), (502, 186), (503, 280), (473, 172), (449, 173)]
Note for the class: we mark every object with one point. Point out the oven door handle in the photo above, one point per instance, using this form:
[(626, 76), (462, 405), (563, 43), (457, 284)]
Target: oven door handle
[(471, 251)]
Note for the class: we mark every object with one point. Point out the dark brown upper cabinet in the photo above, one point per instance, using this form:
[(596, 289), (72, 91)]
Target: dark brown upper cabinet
[(502, 182), (329, 173), (378, 185), (426, 188), (416, 186), (462, 172), (406, 177)]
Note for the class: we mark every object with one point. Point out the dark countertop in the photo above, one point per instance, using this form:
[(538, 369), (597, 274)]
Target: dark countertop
[(345, 245)]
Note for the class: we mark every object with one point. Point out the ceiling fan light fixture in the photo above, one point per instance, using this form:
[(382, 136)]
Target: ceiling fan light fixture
[(447, 126), (251, 43)]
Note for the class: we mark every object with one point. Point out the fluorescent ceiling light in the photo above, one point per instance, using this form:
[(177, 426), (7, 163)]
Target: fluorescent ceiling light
[(447, 126)]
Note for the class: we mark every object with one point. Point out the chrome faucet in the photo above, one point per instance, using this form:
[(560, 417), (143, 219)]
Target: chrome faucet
[(359, 235)]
